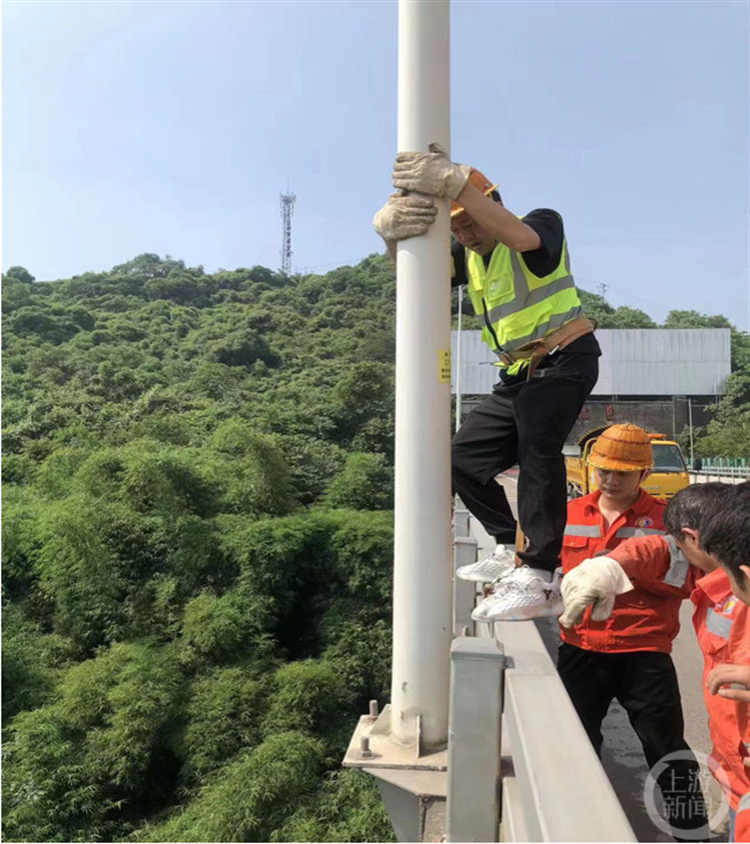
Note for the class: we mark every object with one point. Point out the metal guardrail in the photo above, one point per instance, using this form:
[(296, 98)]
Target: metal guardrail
[(531, 773), (729, 474), (554, 786), (714, 462)]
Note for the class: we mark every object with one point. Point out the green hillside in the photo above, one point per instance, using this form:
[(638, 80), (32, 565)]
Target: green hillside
[(197, 547)]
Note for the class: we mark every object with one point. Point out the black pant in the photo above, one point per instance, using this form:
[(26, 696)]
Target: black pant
[(526, 423), (645, 684)]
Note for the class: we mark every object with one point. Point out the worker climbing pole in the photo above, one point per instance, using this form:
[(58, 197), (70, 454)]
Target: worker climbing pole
[(518, 273)]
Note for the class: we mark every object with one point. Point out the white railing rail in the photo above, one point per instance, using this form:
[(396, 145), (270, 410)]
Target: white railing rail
[(729, 474), (554, 786)]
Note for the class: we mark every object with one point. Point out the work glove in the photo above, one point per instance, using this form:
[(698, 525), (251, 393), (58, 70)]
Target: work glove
[(594, 583), (430, 172), (404, 216)]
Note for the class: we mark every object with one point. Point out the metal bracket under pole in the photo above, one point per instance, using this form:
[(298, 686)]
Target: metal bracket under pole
[(412, 782)]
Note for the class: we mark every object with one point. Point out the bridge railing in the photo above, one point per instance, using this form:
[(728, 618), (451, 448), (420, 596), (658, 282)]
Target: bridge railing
[(727, 474)]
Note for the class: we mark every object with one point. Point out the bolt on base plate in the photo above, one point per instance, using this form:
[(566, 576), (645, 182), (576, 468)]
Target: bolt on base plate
[(372, 746)]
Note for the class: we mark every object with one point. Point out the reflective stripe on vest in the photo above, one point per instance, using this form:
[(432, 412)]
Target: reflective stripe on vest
[(744, 804), (629, 532), (718, 624), (582, 530), (517, 306), (525, 298), (678, 566)]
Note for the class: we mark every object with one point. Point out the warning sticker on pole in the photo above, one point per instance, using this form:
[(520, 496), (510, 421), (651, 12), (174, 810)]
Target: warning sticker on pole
[(444, 366)]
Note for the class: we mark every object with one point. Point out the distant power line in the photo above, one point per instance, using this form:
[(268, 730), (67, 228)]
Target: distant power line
[(348, 262), (603, 288)]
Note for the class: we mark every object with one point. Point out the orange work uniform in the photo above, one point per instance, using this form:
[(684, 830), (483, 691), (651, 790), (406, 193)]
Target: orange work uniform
[(626, 658), (722, 625), (641, 620)]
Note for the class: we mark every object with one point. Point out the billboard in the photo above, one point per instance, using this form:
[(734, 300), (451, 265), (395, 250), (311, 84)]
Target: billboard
[(634, 362)]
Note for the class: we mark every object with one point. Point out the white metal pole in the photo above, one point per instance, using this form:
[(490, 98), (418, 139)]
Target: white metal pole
[(690, 423), (422, 570)]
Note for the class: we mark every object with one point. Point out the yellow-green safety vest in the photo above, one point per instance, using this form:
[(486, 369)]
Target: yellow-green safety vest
[(516, 305)]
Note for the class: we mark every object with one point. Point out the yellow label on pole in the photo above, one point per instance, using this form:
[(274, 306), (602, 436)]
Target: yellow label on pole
[(444, 366)]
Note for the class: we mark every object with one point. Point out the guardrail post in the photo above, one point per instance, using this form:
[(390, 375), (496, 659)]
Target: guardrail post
[(461, 523), (476, 705), (464, 592)]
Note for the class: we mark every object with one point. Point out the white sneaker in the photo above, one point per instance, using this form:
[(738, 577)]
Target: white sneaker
[(495, 565), (525, 593)]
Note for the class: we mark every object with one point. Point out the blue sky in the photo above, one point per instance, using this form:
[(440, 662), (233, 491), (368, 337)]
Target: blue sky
[(172, 127)]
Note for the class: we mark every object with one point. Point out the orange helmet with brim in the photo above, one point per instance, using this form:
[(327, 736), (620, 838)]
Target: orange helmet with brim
[(622, 448), (479, 180)]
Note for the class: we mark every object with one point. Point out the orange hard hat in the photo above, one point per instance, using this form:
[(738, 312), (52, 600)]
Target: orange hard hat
[(479, 180), (622, 448)]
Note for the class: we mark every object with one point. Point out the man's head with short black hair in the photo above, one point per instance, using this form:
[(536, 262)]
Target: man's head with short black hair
[(726, 536), (689, 512), (467, 231)]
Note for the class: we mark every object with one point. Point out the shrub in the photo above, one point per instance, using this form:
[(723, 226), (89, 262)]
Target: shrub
[(253, 796), (366, 483)]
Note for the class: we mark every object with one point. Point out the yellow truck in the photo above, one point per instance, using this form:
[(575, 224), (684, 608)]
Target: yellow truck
[(668, 476)]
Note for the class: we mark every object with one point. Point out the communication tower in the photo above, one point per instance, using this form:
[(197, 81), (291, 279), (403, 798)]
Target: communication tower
[(287, 207)]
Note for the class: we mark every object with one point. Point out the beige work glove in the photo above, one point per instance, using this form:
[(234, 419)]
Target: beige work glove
[(404, 216), (594, 583), (430, 172)]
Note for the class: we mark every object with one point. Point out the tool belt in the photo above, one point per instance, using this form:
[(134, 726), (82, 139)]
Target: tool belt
[(558, 339)]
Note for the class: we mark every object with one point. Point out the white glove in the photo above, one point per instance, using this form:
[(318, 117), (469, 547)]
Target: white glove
[(594, 582), (430, 172), (404, 216)]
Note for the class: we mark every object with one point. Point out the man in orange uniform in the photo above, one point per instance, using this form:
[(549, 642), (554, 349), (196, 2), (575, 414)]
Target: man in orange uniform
[(627, 656), (671, 566), (722, 624)]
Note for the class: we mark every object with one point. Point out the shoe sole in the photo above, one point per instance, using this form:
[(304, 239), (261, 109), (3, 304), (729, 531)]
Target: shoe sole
[(529, 615), (474, 579)]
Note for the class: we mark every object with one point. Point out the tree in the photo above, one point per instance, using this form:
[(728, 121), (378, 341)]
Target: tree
[(175, 577), (149, 266), (255, 475), (693, 319), (596, 307), (19, 274), (366, 483), (347, 807), (224, 713), (78, 768), (255, 794), (728, 434), (624, 317)]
